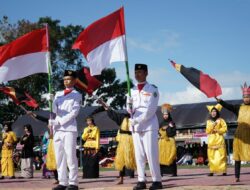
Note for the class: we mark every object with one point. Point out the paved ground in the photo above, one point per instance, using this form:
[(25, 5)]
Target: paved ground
[(188, 179)]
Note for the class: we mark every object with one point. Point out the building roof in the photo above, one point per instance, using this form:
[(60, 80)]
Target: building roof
[(186, 116)]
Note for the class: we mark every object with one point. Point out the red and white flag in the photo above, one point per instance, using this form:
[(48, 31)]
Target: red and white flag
[(103, 42), (24, 56)]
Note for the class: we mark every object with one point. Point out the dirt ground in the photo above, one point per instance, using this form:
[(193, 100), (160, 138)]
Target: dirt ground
[(187, 179)]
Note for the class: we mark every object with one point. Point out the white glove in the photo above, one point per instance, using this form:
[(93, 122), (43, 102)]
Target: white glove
[(170, 124), (132, 122), (51, 97), (130, 100), (53, 122), (130, 104)]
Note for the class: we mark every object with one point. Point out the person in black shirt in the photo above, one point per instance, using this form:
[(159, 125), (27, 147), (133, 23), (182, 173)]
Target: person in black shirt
[(27, 152)]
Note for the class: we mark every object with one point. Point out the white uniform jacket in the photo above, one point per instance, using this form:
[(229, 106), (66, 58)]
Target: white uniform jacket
[(144, 108), (66, 109)]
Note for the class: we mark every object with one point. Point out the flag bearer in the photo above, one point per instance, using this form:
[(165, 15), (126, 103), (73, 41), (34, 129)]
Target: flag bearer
[(144, 126), (66, 106)]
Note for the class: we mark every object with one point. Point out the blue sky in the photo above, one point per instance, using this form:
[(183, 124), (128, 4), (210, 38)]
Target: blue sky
[(210, 35)]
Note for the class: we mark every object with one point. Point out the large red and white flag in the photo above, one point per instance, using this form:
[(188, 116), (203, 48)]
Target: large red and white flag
[(24, 56), (103, 42)]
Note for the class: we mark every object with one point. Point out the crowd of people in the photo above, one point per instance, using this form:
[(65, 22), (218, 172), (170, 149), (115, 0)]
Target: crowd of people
[(141, 139)]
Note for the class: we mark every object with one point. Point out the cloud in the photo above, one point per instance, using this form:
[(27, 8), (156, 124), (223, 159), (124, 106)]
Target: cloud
[(164, 39), (230, 84), (193, 95), (169, 85), (233, 78)]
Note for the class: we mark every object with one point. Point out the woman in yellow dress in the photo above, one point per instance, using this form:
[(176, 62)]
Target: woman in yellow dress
[(91, 136), (9, 140), (167, 146), (125, 156), (216, 128)]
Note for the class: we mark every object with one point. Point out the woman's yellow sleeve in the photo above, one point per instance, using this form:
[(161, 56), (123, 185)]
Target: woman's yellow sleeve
[(209, 127), (117, 138), (223, 127), (85, 134), (14, 137), (97, 138)]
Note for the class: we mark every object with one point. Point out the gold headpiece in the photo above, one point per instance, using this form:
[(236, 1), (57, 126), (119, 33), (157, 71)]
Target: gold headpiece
[(217, 106), (245, 90), (166, 108)]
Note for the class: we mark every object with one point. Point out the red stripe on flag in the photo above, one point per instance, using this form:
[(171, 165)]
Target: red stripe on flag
[(209, 86), (112, 26), (35, 41)]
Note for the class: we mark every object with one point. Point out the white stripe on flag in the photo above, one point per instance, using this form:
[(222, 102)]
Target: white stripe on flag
[(24, 65), (110, 51)]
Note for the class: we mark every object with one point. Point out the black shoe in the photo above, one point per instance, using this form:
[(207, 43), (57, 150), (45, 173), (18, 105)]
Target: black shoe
[(2, 177), (211, 174), (60, 187), (72, 187), (12, 177), (156, 185), (224, 174), (140, 185)]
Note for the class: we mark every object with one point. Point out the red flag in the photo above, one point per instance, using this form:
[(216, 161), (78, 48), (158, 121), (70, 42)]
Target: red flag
[(103, 42), (19, 96), (86, 82), (24, 56), (200, 80)]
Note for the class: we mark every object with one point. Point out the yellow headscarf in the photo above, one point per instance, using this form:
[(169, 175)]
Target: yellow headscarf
[(217, 106)]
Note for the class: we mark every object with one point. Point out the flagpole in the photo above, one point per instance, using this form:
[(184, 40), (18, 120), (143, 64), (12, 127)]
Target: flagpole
[(127, 74), (49, 78), (126, 62), (23, 108), (49, 70)]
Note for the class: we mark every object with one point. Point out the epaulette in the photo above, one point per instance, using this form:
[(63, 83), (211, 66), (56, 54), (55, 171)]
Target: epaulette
[(154, 86)]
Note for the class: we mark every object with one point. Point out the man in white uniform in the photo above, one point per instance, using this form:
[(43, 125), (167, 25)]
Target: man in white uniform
[(66, 106), (144, 126)]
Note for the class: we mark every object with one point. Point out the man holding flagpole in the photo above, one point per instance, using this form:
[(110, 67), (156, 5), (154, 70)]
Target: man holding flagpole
[(66, 106), (144, 126)]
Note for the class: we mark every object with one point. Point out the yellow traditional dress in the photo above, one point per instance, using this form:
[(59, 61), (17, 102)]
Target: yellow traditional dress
[(125, 156), (7, 164), (217, 155), (167, 148), (241, 144), (91, 136)]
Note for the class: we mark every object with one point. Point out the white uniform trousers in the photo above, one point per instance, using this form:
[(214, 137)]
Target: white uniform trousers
[(65, 152), (146, 147)]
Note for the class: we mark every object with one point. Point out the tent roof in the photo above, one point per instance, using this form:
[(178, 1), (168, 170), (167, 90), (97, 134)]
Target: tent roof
[(186, 116)]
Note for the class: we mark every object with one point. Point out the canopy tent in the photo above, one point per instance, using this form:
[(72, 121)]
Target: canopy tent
[(186, 116)]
